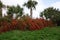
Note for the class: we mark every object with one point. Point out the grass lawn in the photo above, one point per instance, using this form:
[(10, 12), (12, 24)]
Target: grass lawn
[(48, 33)]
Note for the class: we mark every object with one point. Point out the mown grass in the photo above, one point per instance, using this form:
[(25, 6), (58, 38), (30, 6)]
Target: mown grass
[(48, 33)]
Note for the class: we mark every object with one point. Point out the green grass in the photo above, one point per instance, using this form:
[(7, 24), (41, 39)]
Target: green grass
[(48, 33)]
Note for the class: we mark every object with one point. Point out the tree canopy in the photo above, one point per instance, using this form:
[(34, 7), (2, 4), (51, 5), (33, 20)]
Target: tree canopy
[(51, 13)]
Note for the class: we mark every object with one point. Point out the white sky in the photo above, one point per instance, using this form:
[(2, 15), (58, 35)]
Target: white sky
[(40, 7)]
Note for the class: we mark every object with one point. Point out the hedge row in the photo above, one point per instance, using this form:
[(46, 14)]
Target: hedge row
[(24, 24)]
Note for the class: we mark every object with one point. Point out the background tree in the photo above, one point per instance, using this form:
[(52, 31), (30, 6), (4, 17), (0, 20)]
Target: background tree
[(15, 10), (10, 11), (52, 14), (19, 11), (30, 5)]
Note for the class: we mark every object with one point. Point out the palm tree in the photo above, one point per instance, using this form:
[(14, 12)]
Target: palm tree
[(1, 5), (30, 5), (15, 10), (19, 11), (10, 11)]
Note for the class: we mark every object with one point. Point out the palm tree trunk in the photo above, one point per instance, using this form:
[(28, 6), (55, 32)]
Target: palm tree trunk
[(31, 12)]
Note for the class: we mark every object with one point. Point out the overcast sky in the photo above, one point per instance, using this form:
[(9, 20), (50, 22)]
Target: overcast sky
[(42, 4)]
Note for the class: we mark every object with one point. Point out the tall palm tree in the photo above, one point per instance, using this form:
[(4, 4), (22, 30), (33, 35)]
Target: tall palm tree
[(30, 5), (1, 5)]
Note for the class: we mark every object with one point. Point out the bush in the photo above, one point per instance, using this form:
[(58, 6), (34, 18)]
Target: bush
[(25, 24)]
